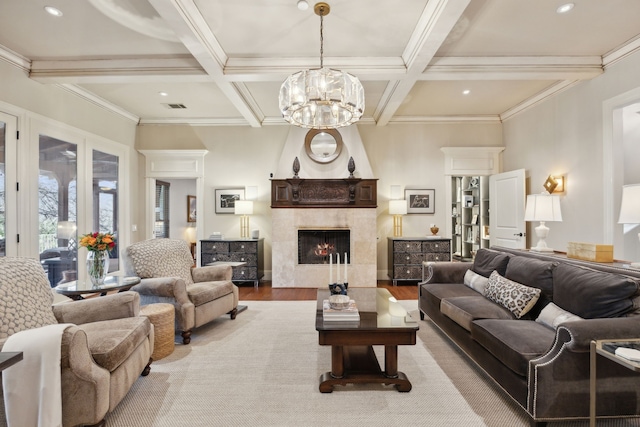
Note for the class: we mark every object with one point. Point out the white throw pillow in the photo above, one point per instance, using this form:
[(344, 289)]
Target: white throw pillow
[(552, 316), (475, 281)]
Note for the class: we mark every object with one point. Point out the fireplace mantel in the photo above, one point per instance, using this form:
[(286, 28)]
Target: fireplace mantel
[(324, 193)]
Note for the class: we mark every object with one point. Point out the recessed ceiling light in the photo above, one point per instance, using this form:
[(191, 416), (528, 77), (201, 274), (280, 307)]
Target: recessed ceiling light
[(163, 94), (565, 8), (466, 92), (53, 11), (303, 5)]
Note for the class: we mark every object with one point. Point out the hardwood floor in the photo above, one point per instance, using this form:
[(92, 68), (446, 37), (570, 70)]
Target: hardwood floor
[(267, 293)]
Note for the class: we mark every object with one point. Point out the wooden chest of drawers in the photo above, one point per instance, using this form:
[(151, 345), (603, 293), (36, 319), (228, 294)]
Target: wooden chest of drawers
[(406, 255), (248, 252)]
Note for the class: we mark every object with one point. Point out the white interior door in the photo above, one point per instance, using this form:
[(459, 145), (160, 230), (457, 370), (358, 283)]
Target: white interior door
[(506, 214)]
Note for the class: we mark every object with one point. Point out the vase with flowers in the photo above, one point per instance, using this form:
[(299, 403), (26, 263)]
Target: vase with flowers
[(99, 245)]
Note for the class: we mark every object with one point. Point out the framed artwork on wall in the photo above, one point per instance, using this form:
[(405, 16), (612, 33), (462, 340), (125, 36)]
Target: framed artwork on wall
[(420, 201), (226, 199), (191, 208)]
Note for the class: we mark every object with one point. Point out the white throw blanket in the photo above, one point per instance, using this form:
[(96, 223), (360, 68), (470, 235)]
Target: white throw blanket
[(32, 387)]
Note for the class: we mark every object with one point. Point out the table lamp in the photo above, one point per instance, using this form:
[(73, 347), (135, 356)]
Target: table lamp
[(66, 230), (397, 208), (630, 209), (244, 208), (542, 207)]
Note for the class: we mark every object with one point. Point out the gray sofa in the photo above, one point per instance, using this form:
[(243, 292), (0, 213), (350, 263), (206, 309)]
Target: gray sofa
[(534, 341)]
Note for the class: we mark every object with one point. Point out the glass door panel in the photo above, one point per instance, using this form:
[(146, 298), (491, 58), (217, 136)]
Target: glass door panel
[(105, 199), (3, 207), (57, 211)]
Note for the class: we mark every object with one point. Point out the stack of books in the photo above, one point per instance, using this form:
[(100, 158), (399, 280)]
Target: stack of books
[(349, 314)]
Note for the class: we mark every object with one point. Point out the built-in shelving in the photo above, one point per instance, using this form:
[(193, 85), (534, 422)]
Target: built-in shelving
[(469, 215)]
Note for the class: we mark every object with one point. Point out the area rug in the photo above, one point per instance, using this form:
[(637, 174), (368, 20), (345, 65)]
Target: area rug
[(263, 369)]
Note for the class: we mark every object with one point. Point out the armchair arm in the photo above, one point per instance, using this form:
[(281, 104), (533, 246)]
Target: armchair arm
[(582, 332), (168, 287), (212, 273), (445, 272), (114, 306)]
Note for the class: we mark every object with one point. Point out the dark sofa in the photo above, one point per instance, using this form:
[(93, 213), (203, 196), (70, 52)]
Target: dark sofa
[(544, 367)]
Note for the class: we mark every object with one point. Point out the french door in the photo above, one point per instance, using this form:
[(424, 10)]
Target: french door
[(8, 185)]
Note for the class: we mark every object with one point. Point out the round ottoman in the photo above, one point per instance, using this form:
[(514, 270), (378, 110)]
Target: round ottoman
[(162, 317)]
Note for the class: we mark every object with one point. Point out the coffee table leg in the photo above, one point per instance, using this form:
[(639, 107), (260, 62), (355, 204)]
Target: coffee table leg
[(337, 361), (391, 361)]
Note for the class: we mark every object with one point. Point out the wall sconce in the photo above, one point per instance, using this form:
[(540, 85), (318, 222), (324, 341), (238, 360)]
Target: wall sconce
[(244, 208), (554, 184), (542, 207), (630, 209), (397, 208)]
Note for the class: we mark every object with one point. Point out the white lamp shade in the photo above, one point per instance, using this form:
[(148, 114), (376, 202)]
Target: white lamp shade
[(542, 207), (243, 207), (66, 229), (630, 205), (398, 207)]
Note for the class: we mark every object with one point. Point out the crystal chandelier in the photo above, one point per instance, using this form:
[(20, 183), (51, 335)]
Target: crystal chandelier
[(321, 98)]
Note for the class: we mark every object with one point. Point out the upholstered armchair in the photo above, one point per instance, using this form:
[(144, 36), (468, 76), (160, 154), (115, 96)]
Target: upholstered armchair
[(104, 350), (199, 294)]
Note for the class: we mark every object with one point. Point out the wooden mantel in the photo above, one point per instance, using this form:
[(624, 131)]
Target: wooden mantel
[(324, 193)]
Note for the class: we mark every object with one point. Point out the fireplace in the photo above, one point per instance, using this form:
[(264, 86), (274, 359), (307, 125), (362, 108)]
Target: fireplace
[(315, 246)]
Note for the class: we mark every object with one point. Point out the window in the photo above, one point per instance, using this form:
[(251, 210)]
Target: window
[(105, 199), (57, 209), (161, 227)]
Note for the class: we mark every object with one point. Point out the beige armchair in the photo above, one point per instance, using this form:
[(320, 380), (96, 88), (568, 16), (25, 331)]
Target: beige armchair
[(199, 295), (105, 351)]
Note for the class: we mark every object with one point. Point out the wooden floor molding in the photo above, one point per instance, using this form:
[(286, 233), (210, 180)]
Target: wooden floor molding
[(265, 292)]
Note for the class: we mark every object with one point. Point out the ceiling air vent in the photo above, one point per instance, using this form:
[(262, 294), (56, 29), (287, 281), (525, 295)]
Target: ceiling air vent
[(176, 106)]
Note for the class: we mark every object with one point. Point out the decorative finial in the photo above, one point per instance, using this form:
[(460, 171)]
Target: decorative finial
[(296, 167), (351, 167)]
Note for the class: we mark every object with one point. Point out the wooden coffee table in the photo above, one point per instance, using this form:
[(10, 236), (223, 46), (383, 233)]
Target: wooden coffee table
[(382, 322)]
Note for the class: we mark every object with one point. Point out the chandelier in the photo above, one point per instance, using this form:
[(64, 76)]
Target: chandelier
[(321, 98)]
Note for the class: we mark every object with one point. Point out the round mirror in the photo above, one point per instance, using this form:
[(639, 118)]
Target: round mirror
[(323, 145)]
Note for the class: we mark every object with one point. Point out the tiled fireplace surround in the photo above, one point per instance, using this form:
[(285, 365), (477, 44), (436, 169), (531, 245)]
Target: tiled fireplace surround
[(287, 273)]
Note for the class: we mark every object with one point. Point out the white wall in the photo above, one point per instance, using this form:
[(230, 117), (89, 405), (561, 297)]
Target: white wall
[(406, 155), (179, 228), (564, 135)]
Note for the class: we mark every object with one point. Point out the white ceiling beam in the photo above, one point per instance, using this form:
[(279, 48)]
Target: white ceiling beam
[(191, 28), (137, 70), (435, 23), (513, 68), (100, 102)]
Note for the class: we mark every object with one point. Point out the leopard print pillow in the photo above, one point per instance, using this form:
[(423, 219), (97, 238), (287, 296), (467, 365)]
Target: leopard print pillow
[(513, 296)]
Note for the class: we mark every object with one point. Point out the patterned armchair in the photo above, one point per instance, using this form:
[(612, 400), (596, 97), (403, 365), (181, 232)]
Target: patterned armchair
[(104, 350), (199, 295)]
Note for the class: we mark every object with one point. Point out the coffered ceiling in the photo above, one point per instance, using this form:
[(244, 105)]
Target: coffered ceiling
[(224, 60)]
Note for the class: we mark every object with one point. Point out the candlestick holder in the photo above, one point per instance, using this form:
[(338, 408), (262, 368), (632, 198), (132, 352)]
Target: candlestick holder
[(338, 288)]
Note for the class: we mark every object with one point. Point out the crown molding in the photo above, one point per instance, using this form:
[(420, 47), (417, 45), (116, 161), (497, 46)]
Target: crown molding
[(15, 59), (100, 102), (539, 97)]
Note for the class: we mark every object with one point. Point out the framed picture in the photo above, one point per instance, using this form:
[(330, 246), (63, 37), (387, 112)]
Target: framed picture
[(226, 199), (191, 208), (420, 201)]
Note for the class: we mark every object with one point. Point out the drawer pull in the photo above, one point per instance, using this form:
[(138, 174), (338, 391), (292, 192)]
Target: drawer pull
[(242, 259), (408, 271), (241, 246), (408, 258)]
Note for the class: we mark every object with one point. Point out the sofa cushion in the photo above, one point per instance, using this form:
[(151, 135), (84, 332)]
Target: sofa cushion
[(488, 260), (592, 294), (553, 316), (517, 298), (25, 296), (464, 310), (204, 292), (111, 342), (513, 342), (475, 281), (442, 291), (532, 272)]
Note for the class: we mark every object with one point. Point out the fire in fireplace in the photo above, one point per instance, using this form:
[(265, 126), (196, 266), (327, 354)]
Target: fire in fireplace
[(315, 246)]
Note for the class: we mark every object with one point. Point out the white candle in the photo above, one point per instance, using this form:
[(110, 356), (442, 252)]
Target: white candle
[(330, 268), (338, 268), (345, 268)]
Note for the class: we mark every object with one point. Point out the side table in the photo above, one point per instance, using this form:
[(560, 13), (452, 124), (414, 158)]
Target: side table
[(162, 316), (596, 349)]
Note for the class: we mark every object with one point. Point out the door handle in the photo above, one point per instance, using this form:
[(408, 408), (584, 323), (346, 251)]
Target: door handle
[(519, 234)]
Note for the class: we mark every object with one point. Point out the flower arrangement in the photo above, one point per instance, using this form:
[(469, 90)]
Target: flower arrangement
[(98, 241)]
